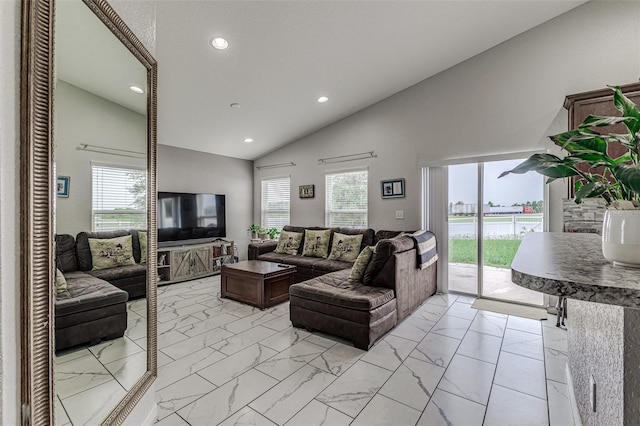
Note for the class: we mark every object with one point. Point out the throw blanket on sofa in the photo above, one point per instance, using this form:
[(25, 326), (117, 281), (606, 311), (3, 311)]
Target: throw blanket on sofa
[(425, 247)]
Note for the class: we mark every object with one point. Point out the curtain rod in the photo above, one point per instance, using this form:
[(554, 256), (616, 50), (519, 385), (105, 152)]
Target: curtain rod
[(275, 166), (349, 157), (112, 151)]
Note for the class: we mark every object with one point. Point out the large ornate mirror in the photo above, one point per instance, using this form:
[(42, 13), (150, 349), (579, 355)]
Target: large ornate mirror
[(89, 264)]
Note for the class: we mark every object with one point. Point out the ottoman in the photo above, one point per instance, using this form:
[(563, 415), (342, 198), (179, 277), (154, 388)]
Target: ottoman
[(333, 305)]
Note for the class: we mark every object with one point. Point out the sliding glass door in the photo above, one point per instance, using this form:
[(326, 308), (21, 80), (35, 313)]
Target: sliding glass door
[(487, 219), (463, 228)]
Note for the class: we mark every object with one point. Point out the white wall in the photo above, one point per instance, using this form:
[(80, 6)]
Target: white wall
[(504, 100), (184, 170), (9, 212), (81, 117)]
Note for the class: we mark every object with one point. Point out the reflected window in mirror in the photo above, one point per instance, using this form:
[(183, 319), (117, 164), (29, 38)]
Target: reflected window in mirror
[(119, 197)]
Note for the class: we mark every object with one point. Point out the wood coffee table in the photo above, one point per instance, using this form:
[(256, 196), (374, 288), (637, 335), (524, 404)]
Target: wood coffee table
[(256, 282)]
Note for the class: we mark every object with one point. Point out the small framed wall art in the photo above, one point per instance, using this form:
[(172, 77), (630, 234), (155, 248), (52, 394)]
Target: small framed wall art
[(392, 188), (306, 191), (62, 186)]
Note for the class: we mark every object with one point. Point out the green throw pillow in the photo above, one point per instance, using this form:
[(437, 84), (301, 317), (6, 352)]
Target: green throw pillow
[(360, 265), (345, 247), (142, 237), (111, 252), (61, 282), (316, 243), (289, 242)]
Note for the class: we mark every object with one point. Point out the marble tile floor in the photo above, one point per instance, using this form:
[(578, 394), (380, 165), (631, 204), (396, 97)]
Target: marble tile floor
[(496, 283), (223, 362), (90, 380)]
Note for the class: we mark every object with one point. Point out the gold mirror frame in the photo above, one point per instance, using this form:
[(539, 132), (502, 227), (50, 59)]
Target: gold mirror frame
[(36, 208)]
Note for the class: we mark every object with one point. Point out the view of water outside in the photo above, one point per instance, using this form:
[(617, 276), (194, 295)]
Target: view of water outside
[(512, 207)]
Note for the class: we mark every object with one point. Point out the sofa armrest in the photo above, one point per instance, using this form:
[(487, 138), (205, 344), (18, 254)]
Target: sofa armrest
[(256, 249), (411, 285)]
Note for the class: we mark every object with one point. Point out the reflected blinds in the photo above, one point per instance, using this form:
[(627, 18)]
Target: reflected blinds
[(119, 198)]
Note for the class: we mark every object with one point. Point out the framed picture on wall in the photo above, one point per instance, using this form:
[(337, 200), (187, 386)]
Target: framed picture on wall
[(392, 188), (306, 191), (62, 186)]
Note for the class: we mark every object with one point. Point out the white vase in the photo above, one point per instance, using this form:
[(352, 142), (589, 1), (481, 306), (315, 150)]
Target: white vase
[(621, 237)]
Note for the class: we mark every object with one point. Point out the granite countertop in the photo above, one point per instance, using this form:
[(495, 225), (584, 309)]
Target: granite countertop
[(572, 265)]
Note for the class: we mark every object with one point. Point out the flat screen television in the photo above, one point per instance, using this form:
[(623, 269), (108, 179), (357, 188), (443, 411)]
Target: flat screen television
[(185, 216)]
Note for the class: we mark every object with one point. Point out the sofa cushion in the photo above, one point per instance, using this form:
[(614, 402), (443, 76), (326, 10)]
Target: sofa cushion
[(66, 259), (111, 252), (360, 265), (291, 228), (85, 292), (368, 235), (120, 272), (142, 239), (385, 235), (272, 256), (61, 282), (316, 243), (384, 250), (289, 242), (324, 266), (135, 242), (83, 250), (335, 289), (345, 247), (290, 259)]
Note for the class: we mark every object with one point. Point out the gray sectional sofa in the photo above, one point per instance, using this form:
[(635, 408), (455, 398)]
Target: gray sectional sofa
[(94, 306), (309, 267), (325, 300)]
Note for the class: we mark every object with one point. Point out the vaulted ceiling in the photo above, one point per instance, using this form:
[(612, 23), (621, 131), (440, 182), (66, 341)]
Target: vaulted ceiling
[(284, 55)]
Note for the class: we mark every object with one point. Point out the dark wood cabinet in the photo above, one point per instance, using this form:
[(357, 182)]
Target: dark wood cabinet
[(599, 102)]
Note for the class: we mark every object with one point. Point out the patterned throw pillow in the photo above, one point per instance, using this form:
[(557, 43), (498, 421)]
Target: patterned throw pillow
[(360, 265), (142, 236), (61, 282), (316, 243), (289, 242), (111, 252), (345, 247)]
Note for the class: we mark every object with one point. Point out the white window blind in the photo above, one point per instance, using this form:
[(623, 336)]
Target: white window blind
[(119, 198), (346, 199), (276, 202)]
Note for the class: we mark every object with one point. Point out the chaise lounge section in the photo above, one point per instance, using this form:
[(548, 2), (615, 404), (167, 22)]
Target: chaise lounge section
[(393, 286)]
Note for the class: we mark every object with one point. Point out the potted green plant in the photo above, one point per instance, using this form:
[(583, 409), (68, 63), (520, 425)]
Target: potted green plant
[(273, 233), (255, 230), (616, 180)]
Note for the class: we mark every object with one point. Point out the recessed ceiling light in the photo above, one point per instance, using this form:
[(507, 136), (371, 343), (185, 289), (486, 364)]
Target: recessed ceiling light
[(136, 89), (235, 105), (323, 99), (219, 43), (248, 140)]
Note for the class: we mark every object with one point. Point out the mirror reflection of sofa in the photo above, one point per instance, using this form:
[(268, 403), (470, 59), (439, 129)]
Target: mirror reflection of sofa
[(93, 304)]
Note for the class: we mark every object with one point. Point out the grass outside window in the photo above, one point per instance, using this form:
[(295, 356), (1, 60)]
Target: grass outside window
[(497, 252)]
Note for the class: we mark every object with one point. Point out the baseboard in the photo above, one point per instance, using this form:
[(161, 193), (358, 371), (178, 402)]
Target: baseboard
[(150, 420), (573, 403)]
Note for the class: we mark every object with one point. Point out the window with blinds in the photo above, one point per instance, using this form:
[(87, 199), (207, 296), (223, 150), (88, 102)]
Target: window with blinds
[(119, 198), (346, 199), (275, 202)]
